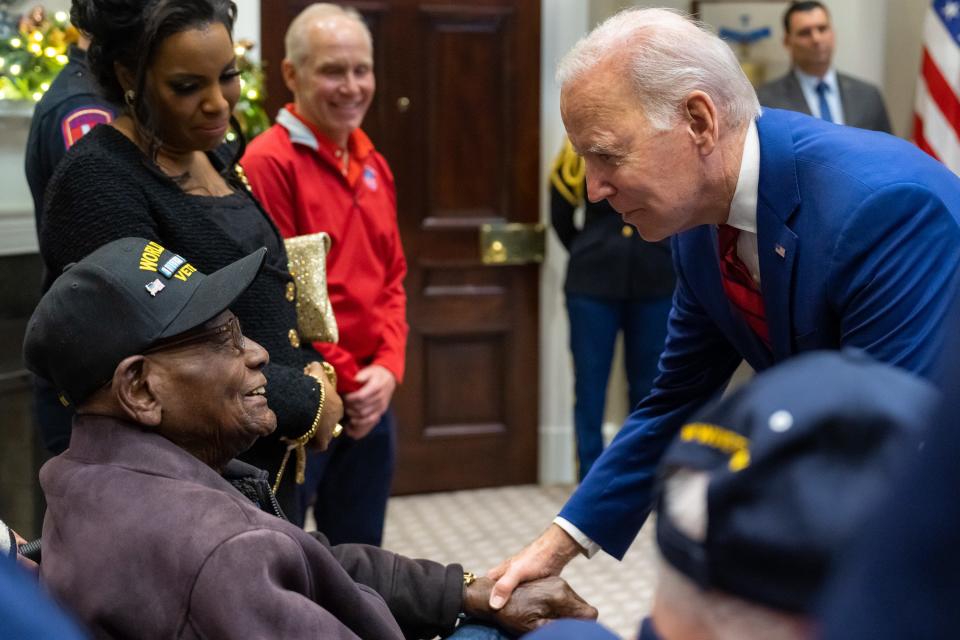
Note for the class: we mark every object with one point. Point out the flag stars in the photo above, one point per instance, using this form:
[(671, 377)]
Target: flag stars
[(951, 10)]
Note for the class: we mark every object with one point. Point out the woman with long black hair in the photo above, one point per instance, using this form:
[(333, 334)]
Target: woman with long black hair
[(161, 171)]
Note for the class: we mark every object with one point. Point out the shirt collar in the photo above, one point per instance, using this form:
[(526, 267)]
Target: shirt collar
[(743, 207), (305, 133), (810, 82)]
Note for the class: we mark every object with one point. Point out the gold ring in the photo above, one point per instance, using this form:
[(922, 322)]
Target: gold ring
[(337, 430)]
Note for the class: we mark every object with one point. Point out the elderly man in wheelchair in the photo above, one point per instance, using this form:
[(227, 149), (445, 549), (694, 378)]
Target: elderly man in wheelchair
[(153, 530)]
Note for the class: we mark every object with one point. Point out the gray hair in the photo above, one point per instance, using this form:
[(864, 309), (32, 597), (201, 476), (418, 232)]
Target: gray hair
[(296, 41), (724, 616), (669, 56)]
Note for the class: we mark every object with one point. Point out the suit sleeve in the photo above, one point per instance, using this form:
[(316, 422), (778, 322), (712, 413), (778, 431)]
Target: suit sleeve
[(894, 276), (613, 501), (883, 120)]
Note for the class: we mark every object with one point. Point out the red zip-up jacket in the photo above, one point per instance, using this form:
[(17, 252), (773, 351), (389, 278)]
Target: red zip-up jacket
[(296, 174)]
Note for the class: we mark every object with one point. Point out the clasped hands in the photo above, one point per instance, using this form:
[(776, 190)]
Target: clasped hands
[(532, 605), (543, 558)]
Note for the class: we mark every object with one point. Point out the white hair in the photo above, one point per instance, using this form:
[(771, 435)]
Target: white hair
[(669, 55), (296, 40), (722, 616)]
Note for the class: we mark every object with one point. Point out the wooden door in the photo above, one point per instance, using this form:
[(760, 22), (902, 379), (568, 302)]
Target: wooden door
[(457, 116)]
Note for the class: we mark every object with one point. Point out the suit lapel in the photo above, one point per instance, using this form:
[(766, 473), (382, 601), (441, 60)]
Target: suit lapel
[(795, 93), (847, 102), (777, 244)]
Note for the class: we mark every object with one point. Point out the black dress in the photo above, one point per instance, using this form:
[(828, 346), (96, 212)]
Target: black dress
[(104, 189)]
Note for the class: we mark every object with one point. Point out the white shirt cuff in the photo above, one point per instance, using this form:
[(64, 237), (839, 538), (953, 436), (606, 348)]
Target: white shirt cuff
[(590, 547)]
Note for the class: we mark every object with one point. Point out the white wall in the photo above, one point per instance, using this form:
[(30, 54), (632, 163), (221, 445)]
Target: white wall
[(902, 68), (858, 23), (248, 23), (562, 23)]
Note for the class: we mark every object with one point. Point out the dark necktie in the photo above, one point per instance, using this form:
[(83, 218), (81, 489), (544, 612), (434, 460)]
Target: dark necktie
[(739, 285), (822, 89)]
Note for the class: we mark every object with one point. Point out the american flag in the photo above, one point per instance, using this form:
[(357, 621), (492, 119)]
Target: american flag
[(936, 118)]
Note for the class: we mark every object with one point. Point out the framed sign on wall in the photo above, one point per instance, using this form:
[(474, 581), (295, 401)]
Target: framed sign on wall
[(753, 29)]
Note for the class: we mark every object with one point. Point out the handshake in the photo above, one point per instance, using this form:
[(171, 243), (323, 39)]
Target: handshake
[(532, 605)]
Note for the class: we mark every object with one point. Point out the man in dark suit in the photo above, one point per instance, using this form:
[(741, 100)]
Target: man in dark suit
[(812, 85), (789, 235)]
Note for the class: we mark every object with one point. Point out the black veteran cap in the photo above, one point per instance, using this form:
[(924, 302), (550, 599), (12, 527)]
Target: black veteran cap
[(764, 487), (118, 301)]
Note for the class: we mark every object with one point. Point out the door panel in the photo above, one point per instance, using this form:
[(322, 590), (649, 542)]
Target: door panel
[(457, 116)]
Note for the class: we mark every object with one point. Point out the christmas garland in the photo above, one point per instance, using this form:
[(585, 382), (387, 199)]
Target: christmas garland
[(33, 50)]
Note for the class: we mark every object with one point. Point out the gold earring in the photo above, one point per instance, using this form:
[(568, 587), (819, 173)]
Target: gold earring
[(129, 96)]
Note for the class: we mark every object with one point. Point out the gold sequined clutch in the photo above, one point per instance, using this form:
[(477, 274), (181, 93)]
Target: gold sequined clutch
[(307, 261)]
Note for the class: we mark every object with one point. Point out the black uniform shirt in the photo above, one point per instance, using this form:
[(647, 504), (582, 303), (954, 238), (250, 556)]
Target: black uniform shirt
[(69, 109)]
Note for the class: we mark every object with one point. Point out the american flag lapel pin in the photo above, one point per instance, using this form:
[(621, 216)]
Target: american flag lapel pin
[(780, 251)]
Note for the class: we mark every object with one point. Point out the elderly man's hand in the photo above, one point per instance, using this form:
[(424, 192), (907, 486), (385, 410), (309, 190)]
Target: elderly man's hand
[(533, 604), (545, 556), (332, 407), (365, 405)]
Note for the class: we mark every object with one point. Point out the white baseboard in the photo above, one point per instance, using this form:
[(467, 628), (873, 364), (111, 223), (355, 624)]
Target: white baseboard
[(557, 455)]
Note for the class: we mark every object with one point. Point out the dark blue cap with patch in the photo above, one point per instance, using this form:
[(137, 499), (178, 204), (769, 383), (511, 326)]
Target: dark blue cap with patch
[(118, 301), (759, 492)]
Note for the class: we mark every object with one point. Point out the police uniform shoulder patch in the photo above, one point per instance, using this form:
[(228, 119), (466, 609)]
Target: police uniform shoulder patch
[(80, 121)]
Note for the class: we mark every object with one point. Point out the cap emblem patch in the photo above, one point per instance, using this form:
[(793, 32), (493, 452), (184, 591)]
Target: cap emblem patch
[(155, 287), (170, 266), (174, 266), (720, 439)]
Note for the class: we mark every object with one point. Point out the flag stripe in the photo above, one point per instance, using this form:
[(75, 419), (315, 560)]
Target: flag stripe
[(919, 138), (936, 121), (940, 91), (940, 135), (942, 48)]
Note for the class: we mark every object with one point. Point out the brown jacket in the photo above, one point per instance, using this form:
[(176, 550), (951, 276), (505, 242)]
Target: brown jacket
[(142, 540)]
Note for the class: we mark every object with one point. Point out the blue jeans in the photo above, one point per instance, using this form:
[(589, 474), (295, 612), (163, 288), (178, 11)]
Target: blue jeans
[(349, 484), (474, 631), (594, 325)]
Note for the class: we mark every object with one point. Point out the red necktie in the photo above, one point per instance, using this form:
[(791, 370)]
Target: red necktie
[(739, 285)]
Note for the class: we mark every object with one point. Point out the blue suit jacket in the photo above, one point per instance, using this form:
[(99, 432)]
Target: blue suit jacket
[(859, 244)]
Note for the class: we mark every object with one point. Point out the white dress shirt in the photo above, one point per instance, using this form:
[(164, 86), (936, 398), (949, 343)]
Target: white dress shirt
[(808, 84)]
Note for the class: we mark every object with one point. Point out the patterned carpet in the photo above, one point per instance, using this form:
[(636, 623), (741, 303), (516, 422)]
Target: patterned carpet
[(480, 528)]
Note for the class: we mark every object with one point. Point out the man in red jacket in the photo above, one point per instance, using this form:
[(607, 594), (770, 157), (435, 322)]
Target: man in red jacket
[(315, 170)]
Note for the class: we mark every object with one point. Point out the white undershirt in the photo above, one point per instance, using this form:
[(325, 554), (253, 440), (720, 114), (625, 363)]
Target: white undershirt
[(743, 216)]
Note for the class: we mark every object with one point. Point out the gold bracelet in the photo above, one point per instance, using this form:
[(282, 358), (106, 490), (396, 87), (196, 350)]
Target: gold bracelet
[(331, 373), (469, 578), (332, 377), (300, 444)]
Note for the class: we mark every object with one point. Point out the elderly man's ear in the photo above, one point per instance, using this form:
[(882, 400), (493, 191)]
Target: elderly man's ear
[(133, 391), (701, 118)]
